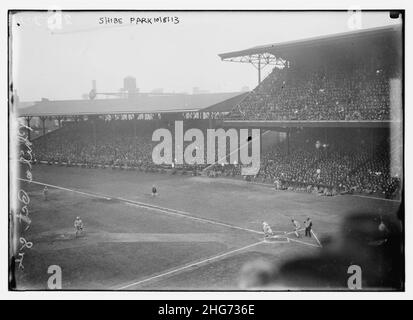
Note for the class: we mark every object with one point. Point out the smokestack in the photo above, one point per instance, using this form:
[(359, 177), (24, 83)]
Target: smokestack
[(92, 93)]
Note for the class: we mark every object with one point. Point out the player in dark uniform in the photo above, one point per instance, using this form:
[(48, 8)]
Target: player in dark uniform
[(308, 224), (45, 193), (154, 191)]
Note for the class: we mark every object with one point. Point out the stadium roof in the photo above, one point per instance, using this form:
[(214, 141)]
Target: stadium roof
[(226, 105), (278, 49), (143, 103)]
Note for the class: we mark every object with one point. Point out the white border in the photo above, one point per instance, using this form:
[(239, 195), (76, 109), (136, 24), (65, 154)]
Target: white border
[(187, 4)]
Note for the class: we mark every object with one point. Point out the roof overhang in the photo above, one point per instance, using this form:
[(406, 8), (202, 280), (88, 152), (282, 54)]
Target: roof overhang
[(108, 112), (272, 124), (145, 104), (281, 49)]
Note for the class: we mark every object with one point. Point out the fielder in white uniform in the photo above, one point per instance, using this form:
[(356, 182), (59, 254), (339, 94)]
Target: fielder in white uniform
[(267, 229)]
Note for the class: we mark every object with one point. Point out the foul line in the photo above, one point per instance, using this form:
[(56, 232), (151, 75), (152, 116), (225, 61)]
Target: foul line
[(302, 242), (188, 266), (66, 189), (374, 198), (185, 215), (315, 236), (166, 210), (171, 212), (149, 207), (298, 241)]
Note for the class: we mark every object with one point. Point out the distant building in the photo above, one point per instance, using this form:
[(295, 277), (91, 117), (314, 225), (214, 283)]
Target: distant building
[(129, 85), (196, 90)]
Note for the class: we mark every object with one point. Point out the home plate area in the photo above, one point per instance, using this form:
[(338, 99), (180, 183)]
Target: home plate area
[(286, 237)]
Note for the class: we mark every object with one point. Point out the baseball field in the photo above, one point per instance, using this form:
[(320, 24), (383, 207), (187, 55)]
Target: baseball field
[(198, 233)]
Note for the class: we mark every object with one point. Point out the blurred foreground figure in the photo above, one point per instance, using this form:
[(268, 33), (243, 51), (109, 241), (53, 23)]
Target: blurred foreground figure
[(256, 274), (365, 241)]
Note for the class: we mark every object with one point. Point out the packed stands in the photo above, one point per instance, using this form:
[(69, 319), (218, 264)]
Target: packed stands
[(115, 143), (318, 160), (337, 162), (103, 143), (347, 90)]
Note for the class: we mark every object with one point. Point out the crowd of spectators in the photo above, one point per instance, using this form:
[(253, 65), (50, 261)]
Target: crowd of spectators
[(313, 160), (104, 144), (342, 164), (83, 144), (352, 91)]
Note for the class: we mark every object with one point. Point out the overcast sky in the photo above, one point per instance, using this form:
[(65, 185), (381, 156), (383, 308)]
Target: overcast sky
[(61, 63)]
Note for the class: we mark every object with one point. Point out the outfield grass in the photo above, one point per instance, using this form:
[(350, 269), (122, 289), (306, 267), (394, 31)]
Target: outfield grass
[(127, 243)]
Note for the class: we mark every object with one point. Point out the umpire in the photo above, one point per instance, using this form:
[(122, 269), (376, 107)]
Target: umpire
[(308, 224)]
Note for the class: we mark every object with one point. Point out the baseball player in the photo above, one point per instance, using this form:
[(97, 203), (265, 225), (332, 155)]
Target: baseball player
[(78, 224), (267, 229), (297, 227)]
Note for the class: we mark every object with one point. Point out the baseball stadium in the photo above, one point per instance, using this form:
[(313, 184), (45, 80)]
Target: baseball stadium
[(329, 187)]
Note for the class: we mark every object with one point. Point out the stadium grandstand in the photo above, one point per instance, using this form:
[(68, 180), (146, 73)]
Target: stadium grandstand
[(336, 101), (112, 203), (351, 76), (339, 100)]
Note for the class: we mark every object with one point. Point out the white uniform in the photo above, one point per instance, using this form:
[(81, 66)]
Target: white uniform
[(297, 227), (267, 229), (78, 224)]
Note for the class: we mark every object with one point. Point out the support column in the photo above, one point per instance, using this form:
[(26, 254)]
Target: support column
[(43, 124), (94, 130), (261, 142)]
